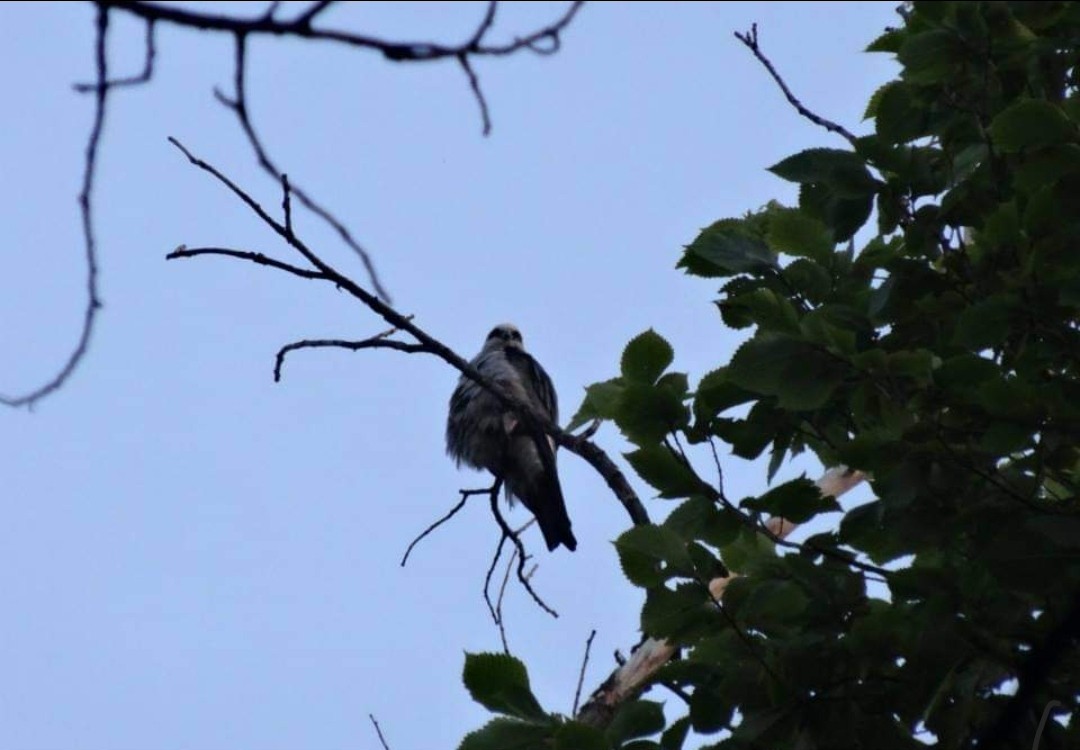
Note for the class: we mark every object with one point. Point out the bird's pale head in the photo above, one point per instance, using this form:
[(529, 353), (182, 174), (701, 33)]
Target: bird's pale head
[(504, 336)]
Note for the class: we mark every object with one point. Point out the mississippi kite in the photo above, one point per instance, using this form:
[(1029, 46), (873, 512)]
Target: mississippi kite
[(484, 434)]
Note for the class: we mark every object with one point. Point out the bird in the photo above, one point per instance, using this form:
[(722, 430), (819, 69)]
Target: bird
[(484, 434)]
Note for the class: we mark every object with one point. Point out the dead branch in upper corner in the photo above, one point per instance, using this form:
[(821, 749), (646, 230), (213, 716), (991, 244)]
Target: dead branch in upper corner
[(542, 41), (627, 682), (750, 39)]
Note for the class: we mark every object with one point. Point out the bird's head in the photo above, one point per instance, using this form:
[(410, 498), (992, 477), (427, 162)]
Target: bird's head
[(504, 336)]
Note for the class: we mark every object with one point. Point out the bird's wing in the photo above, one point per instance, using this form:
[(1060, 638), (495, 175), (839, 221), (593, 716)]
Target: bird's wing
[(534, 379)]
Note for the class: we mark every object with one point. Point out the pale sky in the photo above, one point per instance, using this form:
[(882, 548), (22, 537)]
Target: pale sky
[(192, 556)]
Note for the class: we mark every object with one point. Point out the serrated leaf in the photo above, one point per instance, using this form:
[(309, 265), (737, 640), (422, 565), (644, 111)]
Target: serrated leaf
[(801, 376), (502, 733), (675, 735), (985, 323), (646, 357), (500, 683), (635, 719), (772, 605), (726, 248), (647, 413), (795, 233), (699, 518), (679, 614), (574, 735), (890, 41), (843, 172), (798, 501), (750, 548), (601, 402), (650, 555), (1031, 123), (664, 471), (716, 394)]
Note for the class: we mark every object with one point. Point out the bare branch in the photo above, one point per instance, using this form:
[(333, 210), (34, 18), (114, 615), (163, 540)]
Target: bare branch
[(750, 39), (474, 84), (305, 18), (522, 557), (378, 731), (484, 27), (465, 495), (93, 303), (256, 258), (238, 105), (355, 346), (301, 27), (143, 77), (581, 674)]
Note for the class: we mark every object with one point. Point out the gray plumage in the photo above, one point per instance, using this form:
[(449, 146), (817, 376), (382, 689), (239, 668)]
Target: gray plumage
[(484, 434)]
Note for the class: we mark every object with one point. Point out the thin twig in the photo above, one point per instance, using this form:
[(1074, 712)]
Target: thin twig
[(256, 258), (487, 578), (142, 77), (522, 557), (286, 203), (378, 731), (305, 18), (499, 619), (465, 495), (474, 85), (750, 39), (372, 343), (238, 105), (93, 303), (581, 674)]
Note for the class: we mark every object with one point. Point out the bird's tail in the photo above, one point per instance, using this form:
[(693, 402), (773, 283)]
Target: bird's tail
[(550, 512), (539, 490)]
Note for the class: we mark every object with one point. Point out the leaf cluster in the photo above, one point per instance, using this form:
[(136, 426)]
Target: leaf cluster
[(916, 316)]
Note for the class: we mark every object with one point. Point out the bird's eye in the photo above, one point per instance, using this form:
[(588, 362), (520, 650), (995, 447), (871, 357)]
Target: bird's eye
[(515, 335)]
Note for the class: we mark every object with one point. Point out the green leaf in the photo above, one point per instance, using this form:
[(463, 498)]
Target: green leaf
[(648, 413), (500, 683), (574, 735), (716, 394), (793, 232), (665, 471), (773, 605), (898, 119), (809, 279), (650, 555), (930, 56), (635, 719), (646, 357), (890, 41), (798, 501), (749, 549), (601, 402), (683, 613), (500, 734), (700, 518), (675, 735), (801, 376), (1031, 123), (843, 172), (726, 248), (985, 323), (763, 307)]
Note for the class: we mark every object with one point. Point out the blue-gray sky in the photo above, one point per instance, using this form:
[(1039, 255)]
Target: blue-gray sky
[(192, 556)]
